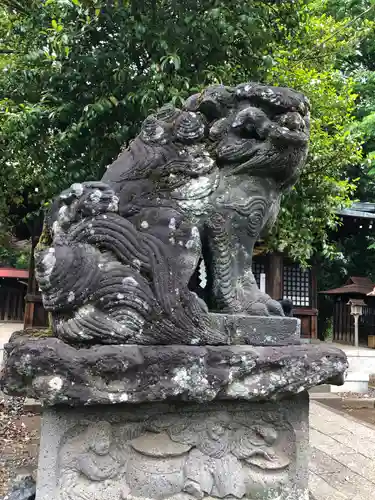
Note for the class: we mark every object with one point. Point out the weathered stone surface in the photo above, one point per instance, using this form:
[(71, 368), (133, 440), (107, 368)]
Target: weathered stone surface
[(257, 330), (120, 259), (120, 266), (254, 451), (54, 372)]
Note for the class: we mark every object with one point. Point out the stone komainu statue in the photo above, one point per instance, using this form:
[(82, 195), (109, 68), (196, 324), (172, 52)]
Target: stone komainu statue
[(198, 185)]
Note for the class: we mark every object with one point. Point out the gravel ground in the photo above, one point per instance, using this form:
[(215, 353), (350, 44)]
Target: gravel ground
[(19, 441), (364, 395), (366, 415)]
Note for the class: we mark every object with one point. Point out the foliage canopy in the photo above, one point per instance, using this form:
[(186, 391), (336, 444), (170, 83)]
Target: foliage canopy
[(78, 76)]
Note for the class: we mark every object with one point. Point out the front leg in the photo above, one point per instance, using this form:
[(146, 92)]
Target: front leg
[(256, 303), (231, 286), (219, 259)]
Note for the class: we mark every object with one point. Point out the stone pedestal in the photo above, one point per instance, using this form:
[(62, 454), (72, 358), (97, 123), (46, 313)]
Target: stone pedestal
[(132, 422), (181, 451), (156, 388)]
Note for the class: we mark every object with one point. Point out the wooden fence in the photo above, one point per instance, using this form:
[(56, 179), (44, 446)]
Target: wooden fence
[(12, 303)]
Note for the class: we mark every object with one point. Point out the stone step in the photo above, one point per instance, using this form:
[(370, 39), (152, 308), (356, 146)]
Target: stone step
[(354, 382), (321, 396)]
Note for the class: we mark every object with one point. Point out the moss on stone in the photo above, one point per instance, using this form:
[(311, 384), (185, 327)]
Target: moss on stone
[(38, 333), (45, 239)]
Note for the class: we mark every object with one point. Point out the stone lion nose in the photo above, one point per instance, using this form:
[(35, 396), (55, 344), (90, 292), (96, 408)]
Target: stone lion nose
[(248, 115), (253, 120)]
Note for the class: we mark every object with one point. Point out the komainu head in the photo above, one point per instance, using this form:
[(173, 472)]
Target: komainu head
[(250, 129)]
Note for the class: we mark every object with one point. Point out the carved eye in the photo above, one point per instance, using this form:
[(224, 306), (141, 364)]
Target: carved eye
[(219, 128)]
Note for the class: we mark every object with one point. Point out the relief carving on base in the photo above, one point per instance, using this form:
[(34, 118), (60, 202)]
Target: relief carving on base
[(186, 456)]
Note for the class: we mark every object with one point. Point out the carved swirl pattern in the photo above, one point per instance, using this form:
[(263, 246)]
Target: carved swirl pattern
[(221, 265), (198, 183), (127, 280), (257, 209)]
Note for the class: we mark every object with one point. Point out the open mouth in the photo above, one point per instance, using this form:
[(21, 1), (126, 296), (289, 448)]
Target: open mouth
[(253, 132), (251, 119)]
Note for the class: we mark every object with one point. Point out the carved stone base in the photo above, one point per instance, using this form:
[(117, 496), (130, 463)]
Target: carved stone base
[(182, 451)]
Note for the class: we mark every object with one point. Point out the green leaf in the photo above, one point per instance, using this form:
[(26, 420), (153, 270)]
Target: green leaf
[(56, 125), (176, 61), (113, 100)]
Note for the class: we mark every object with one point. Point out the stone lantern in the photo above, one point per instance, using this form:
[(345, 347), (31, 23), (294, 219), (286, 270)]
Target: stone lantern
[(356, 309)]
